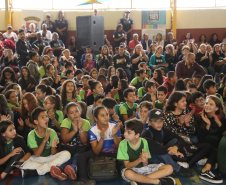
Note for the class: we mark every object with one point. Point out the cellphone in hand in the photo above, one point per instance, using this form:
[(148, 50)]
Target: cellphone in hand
[(17, 163)]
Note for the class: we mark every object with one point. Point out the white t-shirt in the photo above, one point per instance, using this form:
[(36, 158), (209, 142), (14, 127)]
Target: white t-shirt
[(6, 35)]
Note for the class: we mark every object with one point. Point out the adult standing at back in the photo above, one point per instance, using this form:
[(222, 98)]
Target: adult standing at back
[(49, 23), (61, 25), (127, 25)]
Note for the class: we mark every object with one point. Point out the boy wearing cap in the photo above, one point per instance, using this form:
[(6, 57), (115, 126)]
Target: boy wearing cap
[(163, 144), (133, 155)]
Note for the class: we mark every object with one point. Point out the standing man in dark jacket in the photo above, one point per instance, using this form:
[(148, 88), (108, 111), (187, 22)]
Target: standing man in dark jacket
[(22, 48), (127, 25)]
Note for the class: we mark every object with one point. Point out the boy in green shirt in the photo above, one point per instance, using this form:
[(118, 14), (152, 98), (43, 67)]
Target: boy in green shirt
[(128, 109), (43, 142), (134, 153), (160, 103)]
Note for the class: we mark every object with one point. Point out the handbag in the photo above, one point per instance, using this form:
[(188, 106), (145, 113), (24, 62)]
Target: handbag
[(102, 168)]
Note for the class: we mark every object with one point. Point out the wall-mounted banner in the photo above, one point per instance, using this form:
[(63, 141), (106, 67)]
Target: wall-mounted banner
[(28, 18), (151, 19), (154, 22)]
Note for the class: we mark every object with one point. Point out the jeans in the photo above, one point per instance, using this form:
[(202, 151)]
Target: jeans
[(72, 160), (8, 168), (128, 73), (166, 158), (209, 70)]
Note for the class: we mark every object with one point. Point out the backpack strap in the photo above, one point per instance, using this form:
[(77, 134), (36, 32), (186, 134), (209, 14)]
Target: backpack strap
[(151, 133)]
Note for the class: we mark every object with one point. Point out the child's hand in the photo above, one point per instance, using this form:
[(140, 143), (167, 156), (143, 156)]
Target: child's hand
[(178, 154), (144, 156), (51, 115), (115, 117), (115, 129), (15, 151), (80, 123), (27, 122), (75, 126), (21, 122), (205, 118), (55, 142), (3, 117), (108, 95), (102, 133), (172, 150), (46, 138), (113, 91)]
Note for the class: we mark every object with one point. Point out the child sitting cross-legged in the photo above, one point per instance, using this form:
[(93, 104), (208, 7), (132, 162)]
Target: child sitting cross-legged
[(134, 153), (163, 143), (43, 142)]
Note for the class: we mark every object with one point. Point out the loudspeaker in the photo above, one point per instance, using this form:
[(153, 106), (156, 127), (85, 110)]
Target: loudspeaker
[(90, 31)]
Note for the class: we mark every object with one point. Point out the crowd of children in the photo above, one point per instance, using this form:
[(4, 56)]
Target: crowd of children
[(58, 112)]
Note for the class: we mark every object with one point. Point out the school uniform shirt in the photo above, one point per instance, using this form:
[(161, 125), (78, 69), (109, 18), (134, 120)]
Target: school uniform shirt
[(130, 111), (59, 116), (108, 145), (127, 153), (137, 83), (11, 106), (83, 94), (68, 124), (119, 96), (18, 141), (34, 141), (159, 105), (146, 97), (141, 92)]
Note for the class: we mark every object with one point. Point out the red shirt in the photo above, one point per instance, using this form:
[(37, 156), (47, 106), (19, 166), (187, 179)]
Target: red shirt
[(197, 111)]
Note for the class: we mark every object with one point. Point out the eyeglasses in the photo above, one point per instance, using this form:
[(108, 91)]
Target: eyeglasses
[(199, 100), (46, 103)]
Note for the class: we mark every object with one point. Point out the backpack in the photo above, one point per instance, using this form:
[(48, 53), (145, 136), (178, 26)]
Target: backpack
[(126, 106)]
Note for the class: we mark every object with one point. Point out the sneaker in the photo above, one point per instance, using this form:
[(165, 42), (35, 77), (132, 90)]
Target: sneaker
[(202, 162), (133, 183), (167, 181), (185, 172), (183, 164), (71, 170), (58, 173), (210, 177)]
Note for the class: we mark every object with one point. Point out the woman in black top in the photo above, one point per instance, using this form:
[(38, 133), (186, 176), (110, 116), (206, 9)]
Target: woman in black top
[(204, 59), (218, 58), (214, 39), (119, 35), (138, 57), (61, 25)]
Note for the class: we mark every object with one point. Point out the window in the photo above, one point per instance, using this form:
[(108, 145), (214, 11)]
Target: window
[(195, 3), (220, 3), (70, 4), (151, 4), (2, 4), (30, 4)]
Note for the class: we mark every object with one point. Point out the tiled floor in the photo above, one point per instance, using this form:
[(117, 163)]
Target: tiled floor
[(48, 180)]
